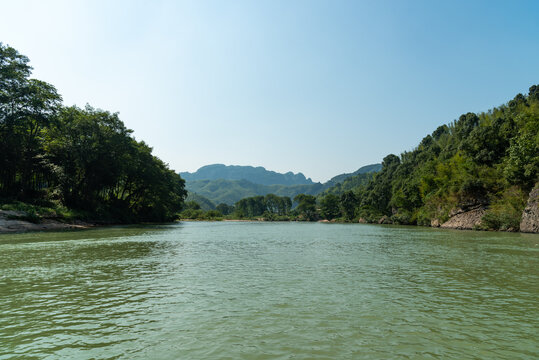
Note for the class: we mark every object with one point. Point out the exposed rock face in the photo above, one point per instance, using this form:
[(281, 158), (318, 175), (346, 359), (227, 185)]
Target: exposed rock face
[(362, 221), (530, 215), (465, 219), (435, 223)]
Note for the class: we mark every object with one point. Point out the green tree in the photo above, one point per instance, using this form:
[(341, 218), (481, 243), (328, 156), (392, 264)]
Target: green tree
[(522, 164), (284, 205), (27, 106), (224, 209), (272, 202), (330, 206), (349, 203), (306, 206), (250, 207), (191, 205)]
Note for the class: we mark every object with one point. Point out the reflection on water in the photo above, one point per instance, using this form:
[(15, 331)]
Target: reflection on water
[(262, 290)]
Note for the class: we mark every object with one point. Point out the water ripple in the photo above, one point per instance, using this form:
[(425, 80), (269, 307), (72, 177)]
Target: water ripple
[(269, 291)]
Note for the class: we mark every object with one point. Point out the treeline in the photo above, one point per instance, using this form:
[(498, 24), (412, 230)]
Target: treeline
[(488, 160), (270, 207), (84, 159), (303, 207)]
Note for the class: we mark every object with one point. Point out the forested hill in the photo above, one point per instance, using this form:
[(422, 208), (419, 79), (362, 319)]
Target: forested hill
[(230, 191), (256, 175), (483, 165)]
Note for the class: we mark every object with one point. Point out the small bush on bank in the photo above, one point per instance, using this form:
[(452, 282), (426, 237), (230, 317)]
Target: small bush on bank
[(505, 212)]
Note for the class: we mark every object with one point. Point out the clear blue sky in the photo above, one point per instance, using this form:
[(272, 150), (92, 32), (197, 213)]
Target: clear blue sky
[(321, 87)]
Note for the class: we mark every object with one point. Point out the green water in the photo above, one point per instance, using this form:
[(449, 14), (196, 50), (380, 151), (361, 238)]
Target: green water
[(269, 291)]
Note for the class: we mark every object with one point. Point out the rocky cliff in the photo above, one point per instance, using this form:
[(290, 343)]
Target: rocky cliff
[(465, 219), (530, 215)]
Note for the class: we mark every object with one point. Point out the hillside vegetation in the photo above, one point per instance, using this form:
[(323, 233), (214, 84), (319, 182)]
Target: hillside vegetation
[(231, 191), (204, 203), (488, 160)]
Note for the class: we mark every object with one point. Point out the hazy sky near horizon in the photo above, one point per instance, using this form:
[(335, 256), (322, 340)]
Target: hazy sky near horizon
[(319, 87)]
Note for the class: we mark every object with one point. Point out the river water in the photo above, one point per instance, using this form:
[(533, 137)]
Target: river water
[(227, 290)]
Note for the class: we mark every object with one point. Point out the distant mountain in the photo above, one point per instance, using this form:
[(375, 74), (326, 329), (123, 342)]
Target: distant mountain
[(211, 186), (231, 191), (256, 175), (362, 170), (205, 204)]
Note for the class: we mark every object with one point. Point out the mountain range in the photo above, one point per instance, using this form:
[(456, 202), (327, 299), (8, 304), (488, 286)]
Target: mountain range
[(218, 183), (257, 175)]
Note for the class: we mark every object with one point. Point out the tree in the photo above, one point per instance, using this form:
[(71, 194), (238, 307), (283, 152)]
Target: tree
[(306, 206), (224, 209), (272, 203), (349, 203), (284, 205), (330, 206), (85, 158), (27, 106), (522, 164), (191, 205), (250, 207)]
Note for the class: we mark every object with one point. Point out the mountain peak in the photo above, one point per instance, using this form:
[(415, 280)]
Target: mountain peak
[(256, 175)]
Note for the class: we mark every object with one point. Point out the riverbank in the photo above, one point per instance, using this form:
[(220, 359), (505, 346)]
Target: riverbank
[(12, 221)]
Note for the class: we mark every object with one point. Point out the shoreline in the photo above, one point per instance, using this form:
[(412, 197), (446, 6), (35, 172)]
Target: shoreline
[(10, 224), (360, 223), (13, 222)]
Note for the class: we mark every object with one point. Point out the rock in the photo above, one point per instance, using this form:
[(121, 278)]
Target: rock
[(435, 223), (6, 213), (465, 219), (530, 215), (384, 220), (362, 221)]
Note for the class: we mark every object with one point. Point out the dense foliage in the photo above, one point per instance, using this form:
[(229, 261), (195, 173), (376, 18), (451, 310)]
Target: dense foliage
[(204, 203), (269, 205), (231, 191), (82, 158), (350, 183), (486, 160)]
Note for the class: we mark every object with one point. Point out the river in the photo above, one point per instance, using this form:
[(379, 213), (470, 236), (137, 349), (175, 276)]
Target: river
[(229, 290)]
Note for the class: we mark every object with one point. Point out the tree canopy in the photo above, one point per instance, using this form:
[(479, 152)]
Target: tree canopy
[(82, 158)]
